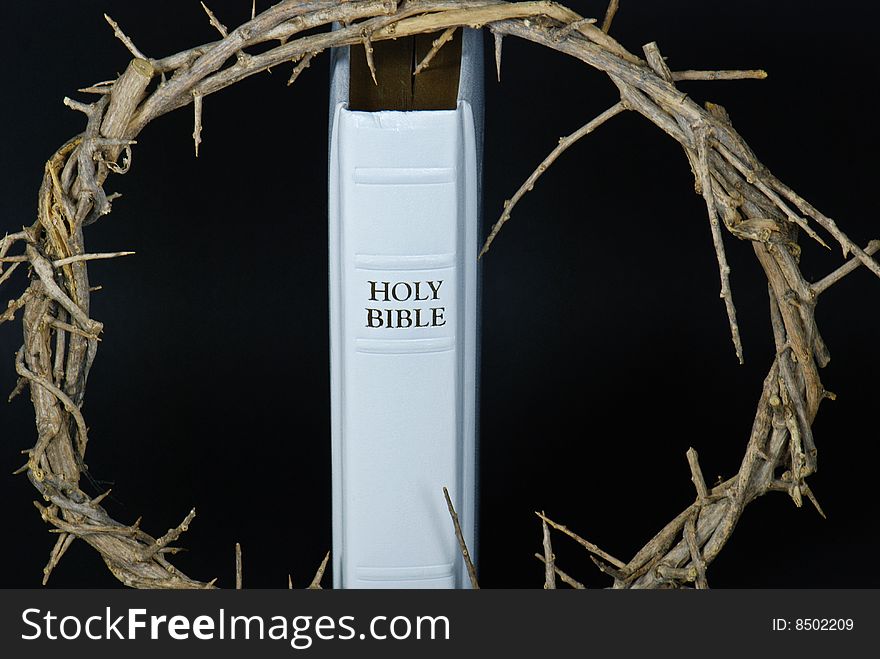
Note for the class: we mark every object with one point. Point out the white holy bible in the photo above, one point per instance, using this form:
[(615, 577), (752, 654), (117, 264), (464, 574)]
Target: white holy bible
[(404, 230)]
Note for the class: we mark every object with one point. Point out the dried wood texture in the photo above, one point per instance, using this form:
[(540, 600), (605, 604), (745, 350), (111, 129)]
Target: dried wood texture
[(742, 198)]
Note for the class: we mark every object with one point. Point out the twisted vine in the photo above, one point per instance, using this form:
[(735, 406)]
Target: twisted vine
[(742, 197)]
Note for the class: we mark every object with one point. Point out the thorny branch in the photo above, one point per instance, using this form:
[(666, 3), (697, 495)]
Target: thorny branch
[(741, 196), (436, 45), (564, 144)]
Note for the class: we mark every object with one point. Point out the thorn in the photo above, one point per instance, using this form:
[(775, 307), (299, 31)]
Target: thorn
[(94, 90), (498, 37), (98, 499), (90, 257), (303, 64), (289, 582), (368, 51), (813, 500), (197, 112), (216, 23), (99, 87), (253, 9), (19, 387), (316, 582)]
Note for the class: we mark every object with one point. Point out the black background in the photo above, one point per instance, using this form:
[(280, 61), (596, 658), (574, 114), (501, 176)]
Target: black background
[(606, 351)]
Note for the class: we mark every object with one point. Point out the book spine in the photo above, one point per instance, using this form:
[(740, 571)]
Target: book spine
[(403, 232)]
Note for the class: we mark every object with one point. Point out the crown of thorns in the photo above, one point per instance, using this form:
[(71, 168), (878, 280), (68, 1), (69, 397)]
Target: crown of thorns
[(742, 198)]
